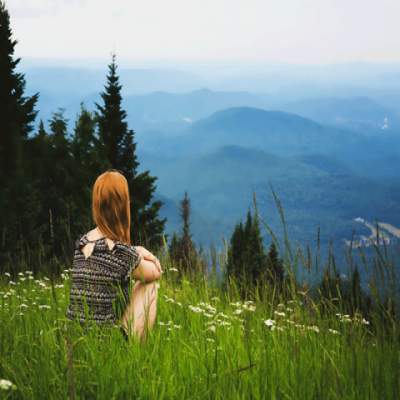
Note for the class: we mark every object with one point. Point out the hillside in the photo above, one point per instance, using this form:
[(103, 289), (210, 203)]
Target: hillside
[(315, 191), (273, 131)]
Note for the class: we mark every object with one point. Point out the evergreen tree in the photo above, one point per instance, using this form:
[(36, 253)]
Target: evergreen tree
[(188, 247), (255, 253), (357, 295), (275, 265), (117, 150), (182, 249), (234, 264), (17, 115), (236, 257)]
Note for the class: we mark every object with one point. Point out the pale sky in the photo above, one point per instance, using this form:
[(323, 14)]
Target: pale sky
[(288, 31)]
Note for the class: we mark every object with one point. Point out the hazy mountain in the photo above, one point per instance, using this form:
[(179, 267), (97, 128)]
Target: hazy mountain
[(358, 113), (273, 131)]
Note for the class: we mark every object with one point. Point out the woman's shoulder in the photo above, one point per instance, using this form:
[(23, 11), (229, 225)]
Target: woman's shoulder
[(81, 241)]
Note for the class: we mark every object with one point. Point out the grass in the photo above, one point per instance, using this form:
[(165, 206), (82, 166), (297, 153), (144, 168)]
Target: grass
[(203, 345), (207, 343)]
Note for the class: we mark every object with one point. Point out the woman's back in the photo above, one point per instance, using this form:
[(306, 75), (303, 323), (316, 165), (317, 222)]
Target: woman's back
[(101, 280)]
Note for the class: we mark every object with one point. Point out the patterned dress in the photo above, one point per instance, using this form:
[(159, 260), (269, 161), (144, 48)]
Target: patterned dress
[(100, 287)]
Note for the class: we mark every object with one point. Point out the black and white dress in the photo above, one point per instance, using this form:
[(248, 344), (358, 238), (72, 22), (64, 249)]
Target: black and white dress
[(100, 288)]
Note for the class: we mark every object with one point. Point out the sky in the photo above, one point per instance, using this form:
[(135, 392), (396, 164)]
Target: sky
[(199, 31)]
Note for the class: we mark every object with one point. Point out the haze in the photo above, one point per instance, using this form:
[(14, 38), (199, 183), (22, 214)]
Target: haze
[(251, 31)]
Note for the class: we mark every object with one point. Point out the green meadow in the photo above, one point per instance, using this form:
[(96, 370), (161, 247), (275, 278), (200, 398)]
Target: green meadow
[(211, 340)]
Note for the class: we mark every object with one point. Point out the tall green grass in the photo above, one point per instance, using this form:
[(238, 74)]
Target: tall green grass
[(210, 341)]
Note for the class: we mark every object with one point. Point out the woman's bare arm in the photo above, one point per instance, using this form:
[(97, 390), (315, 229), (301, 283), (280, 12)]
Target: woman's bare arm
[(149, 268)]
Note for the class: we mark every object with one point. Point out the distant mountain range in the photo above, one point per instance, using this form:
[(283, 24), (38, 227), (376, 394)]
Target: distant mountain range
[(278, 133), (173, 112)]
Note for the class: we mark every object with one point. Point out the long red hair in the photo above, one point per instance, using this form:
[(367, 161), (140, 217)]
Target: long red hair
[(111, 206)]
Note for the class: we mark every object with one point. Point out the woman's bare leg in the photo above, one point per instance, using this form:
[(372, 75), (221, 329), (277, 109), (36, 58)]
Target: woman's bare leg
[(143, 306)]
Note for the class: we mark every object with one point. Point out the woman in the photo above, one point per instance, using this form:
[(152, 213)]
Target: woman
[(105, 261)]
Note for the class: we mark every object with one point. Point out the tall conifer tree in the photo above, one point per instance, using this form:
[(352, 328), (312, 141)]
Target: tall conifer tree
[(117, 150), (17, 115)]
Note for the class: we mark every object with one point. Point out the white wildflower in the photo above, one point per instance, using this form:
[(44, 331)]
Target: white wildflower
[(196, 309), (20, 274), (173, 269), (333, 331), (210, 340), (212, 327), (177, 326), (6, 385), (161, 323), (215, 298), (171, 300), (7, 274), (315, 328), (46, 307), (365, 322), (21, 313), (29, 272), (279, 313), (24, 305), (22, 279), (46, 279), (224, 323), (270, 322), (12, 283), (238, 311), (31, 277), (208, 315)]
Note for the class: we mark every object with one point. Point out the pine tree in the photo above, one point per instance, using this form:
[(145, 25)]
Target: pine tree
[(275, 265), (357, 300), (17, 115), (188, 247), (182, 249), (236, 259), (117, 150), (256, 257)]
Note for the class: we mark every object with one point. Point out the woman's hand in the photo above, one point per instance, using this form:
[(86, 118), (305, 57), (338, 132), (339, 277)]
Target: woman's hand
[(146, 255)]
